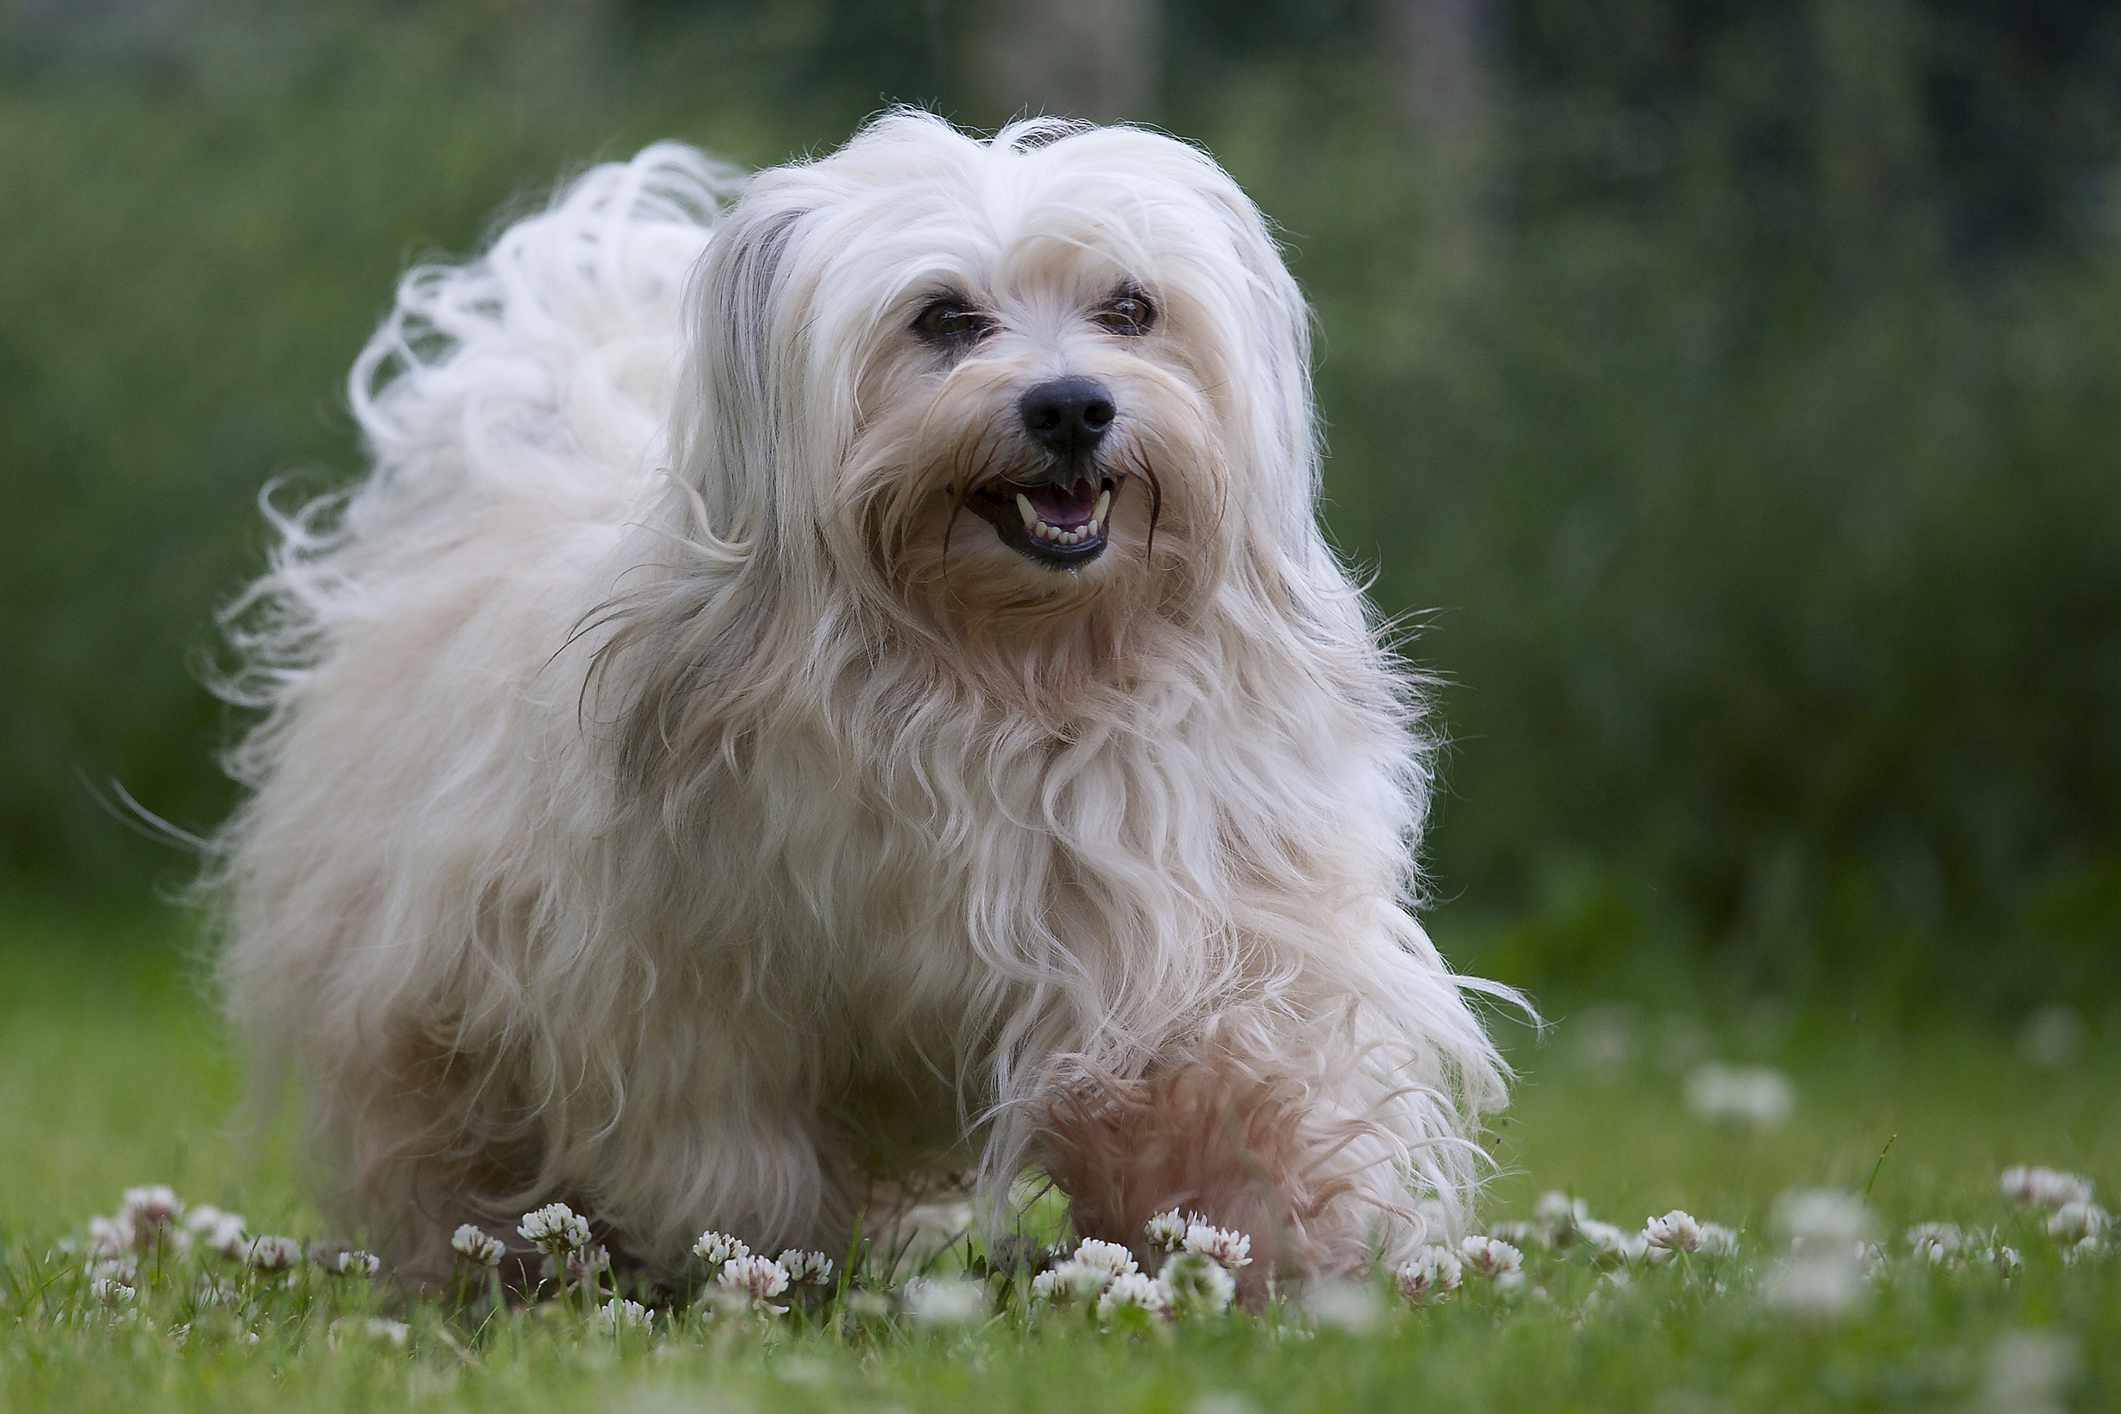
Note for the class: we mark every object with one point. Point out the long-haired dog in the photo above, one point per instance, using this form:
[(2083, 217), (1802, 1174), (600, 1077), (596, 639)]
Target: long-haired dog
[(835, 676)]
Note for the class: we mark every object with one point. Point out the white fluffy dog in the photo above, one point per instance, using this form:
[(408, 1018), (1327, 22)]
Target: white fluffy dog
[(835, 677)]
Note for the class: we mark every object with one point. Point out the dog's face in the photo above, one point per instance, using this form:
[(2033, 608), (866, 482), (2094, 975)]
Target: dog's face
[(1001, 384)]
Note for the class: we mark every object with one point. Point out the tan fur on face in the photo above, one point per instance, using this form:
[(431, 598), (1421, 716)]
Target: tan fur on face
[(931, 432)]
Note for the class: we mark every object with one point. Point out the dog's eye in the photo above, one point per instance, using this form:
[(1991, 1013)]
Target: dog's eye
[(1128, 312), (952, 323)]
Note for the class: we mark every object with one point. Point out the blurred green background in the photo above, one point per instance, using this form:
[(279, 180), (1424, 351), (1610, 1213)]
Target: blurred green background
[(1731, 393)]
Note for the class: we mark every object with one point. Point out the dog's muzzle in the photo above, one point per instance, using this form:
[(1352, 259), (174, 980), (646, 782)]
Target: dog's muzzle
[(1057, 515)]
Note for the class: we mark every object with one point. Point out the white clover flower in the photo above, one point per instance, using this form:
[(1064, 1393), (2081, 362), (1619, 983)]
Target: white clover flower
[(620, 1314), (2052, 1036), (1068, 1283), (376, 1328), (2034, 1187), (273, 1254), (1818, 1286), (716, 1248), (477, 1247), (1488, 1257), (2030, 1371), (221, 1233), (1751, 1095), (125, 1270), (1198, 1284), (867, 1305), (110, 1237), (1823, 1214), (1611, 1242), (1936, 1243), (1226, 1245), (2075, 1221), (357, 1263), (151, 1207), (812, 1267), (227, 1239), (1133, 1291), (1524, 1234), (1561, 1215), (1166, 1231), (1433, 1272), (1108, 1257), (1673, 1233), (1557, 1209), (757, 1279), (2084, 1248), (1718, 1240), (2002, 1260), (111, 1292), (204, 1219), (944, 1301), (1348, 1306), (556, 1228)]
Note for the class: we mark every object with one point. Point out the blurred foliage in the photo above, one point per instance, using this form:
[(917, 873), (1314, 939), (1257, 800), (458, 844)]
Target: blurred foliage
[(1728, 392)]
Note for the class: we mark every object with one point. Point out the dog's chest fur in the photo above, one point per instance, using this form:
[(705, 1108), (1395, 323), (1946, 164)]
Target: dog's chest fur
[(964, 865)]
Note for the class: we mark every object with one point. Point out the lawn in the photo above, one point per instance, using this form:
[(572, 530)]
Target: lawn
[(113, 1073)]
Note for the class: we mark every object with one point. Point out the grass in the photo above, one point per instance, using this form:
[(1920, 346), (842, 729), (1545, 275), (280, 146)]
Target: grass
[(113, 1073)]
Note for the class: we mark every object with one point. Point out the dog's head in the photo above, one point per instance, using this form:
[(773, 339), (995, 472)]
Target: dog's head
[(1000, 386)]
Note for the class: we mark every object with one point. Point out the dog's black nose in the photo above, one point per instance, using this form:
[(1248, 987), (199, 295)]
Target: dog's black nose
[(1067, 415)]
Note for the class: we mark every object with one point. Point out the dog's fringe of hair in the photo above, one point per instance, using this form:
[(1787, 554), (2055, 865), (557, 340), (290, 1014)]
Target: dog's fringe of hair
[(616, 834)]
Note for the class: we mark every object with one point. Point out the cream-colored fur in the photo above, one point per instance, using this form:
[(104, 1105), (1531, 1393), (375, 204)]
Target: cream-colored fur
[(665, 800)]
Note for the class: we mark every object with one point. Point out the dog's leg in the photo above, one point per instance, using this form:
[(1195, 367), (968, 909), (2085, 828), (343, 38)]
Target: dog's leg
[(1323, 1145)]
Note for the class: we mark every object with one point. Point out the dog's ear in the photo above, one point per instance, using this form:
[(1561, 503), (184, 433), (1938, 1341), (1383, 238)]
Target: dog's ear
[(743, 351), (693, 637), (1284, 429)]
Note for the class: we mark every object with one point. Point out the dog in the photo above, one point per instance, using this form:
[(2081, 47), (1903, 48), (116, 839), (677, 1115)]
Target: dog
[(836, 677)]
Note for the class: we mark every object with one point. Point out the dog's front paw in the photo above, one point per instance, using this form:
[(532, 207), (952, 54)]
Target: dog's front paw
[(1244, 1148)]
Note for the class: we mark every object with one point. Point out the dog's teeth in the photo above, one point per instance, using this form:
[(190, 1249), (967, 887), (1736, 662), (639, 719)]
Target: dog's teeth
[(1023, 508), (1073, 537), (1104, 507)]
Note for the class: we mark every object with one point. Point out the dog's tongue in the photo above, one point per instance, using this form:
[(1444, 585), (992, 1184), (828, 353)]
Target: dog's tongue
[(1064, 506)]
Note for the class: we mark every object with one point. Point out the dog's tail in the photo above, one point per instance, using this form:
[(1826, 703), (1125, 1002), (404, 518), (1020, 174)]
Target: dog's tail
[(532, 383), (514, 410), (556, 350)]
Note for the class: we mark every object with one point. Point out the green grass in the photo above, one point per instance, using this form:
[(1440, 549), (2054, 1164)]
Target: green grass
[(112, 1073)]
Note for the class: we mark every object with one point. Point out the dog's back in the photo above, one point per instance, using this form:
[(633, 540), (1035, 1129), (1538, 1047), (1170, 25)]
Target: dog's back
[(515, 410)]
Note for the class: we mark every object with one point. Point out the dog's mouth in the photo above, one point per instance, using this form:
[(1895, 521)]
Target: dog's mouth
[(1059, 524)]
